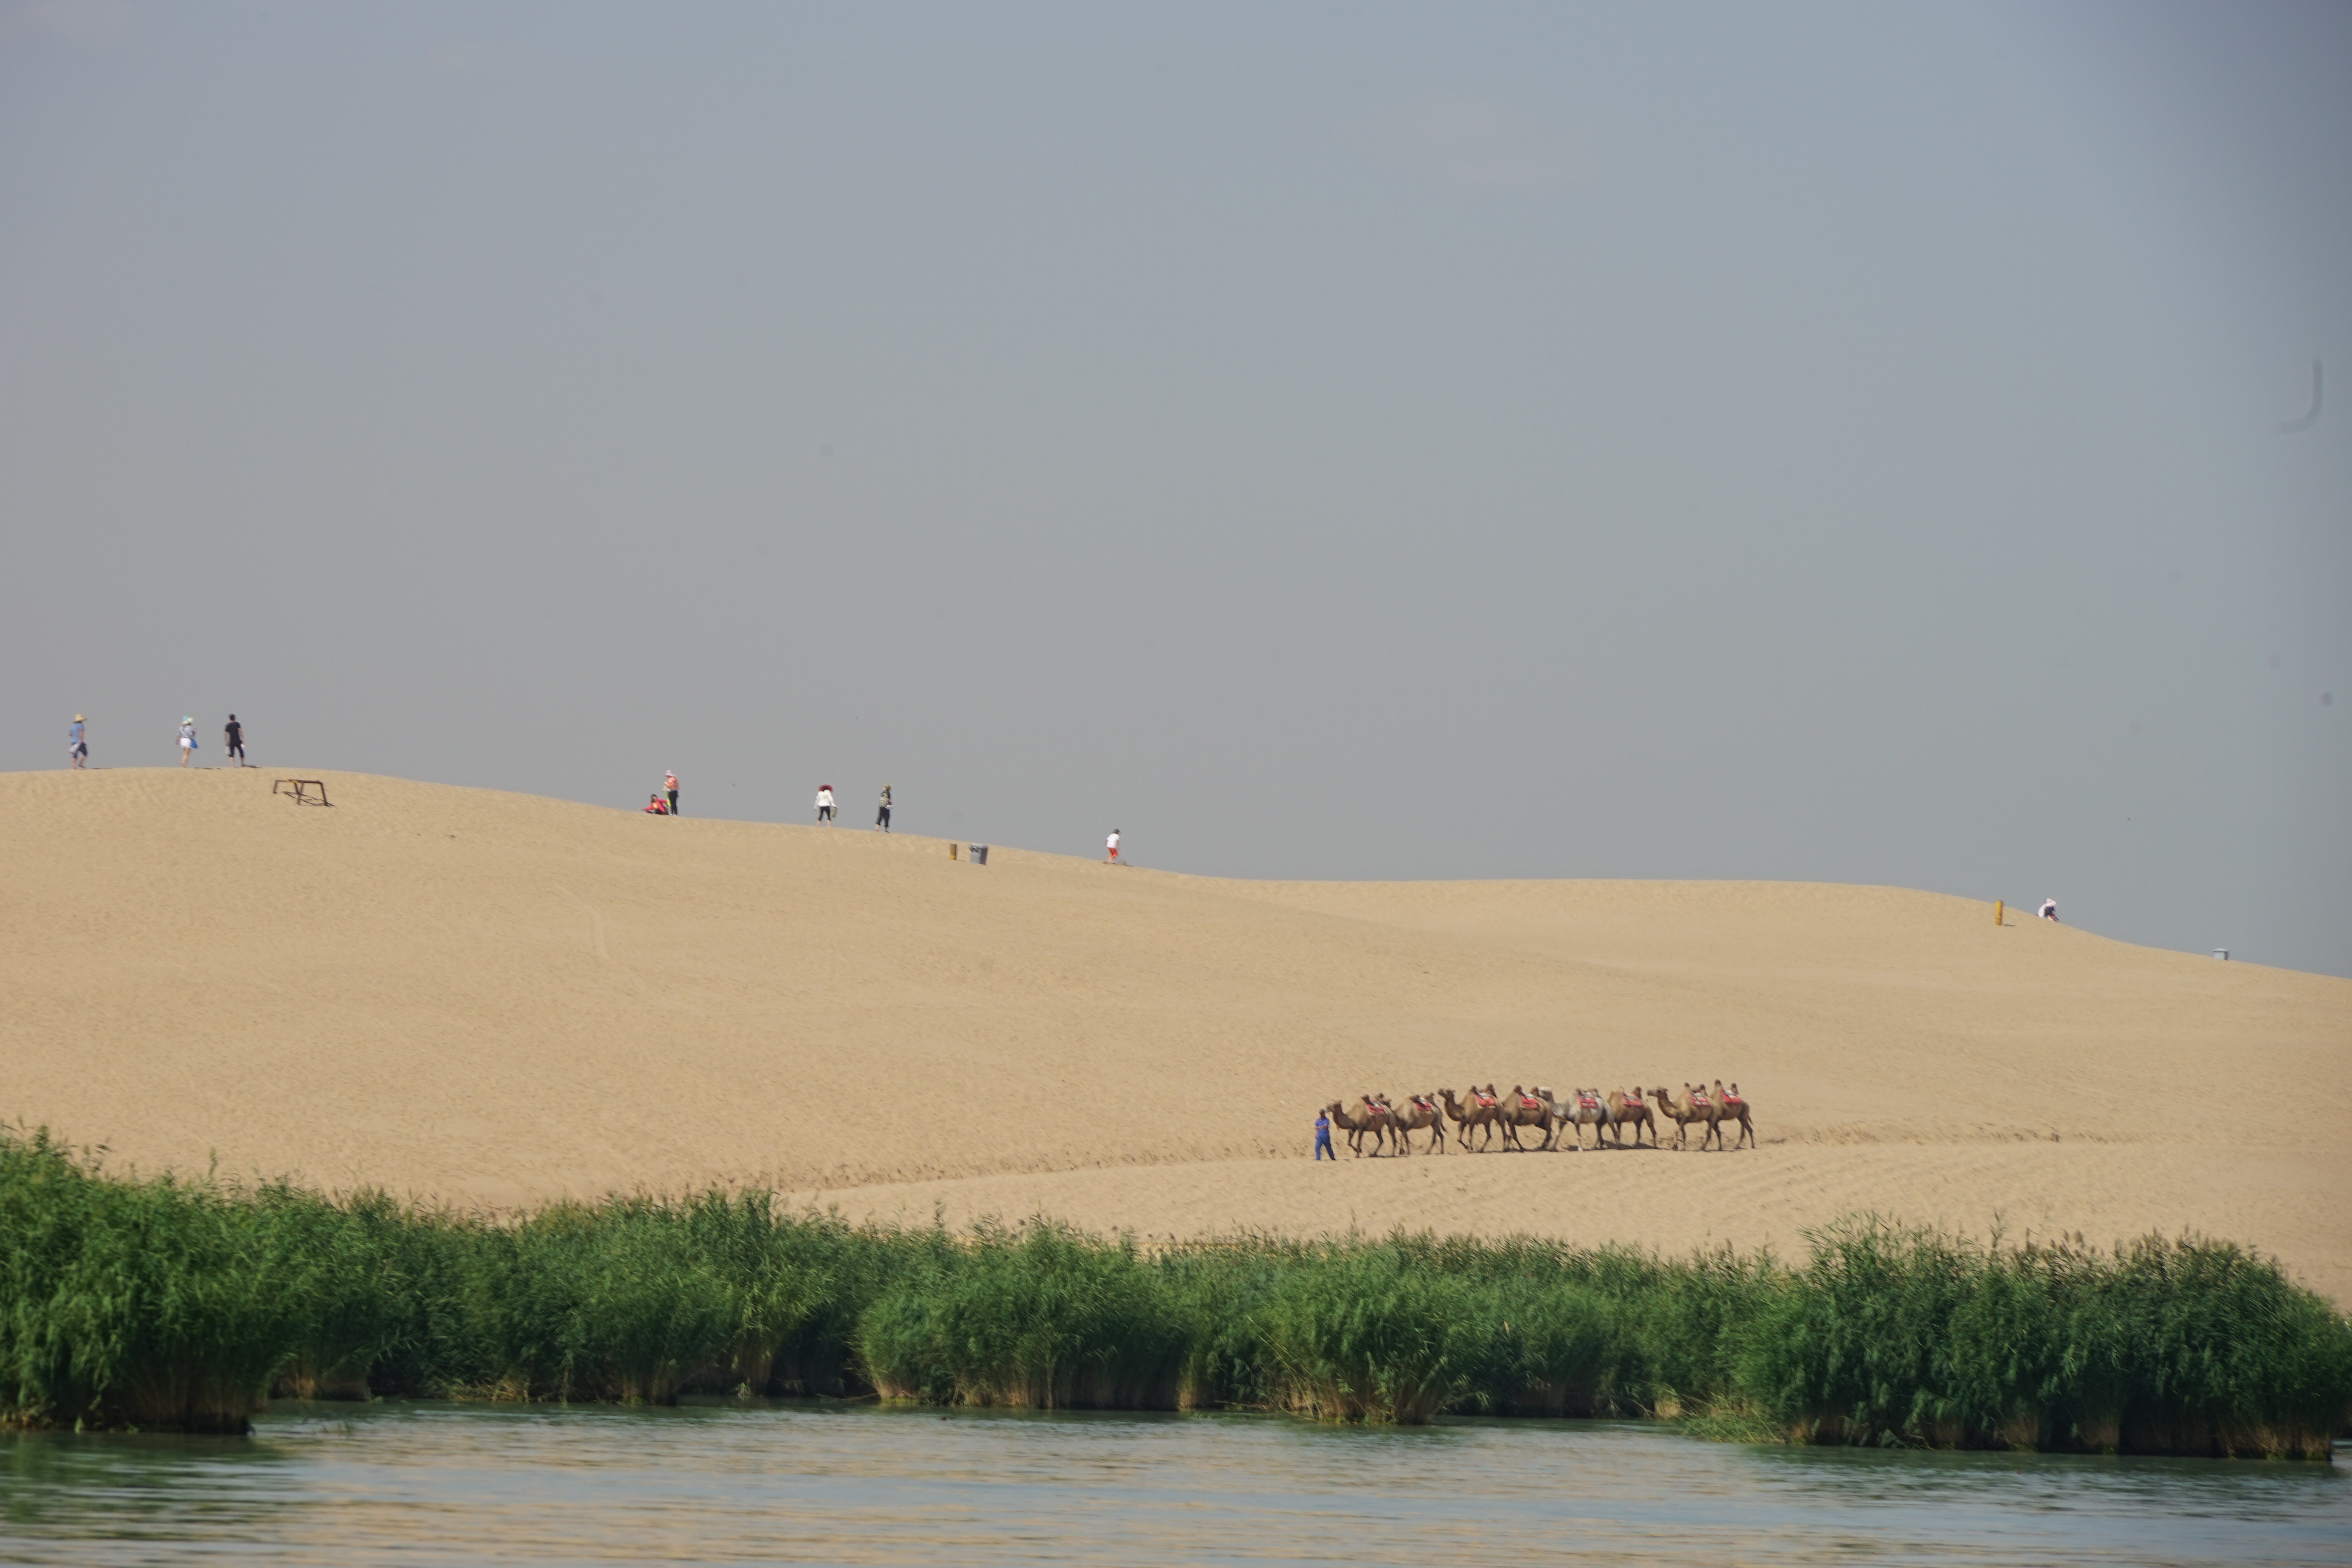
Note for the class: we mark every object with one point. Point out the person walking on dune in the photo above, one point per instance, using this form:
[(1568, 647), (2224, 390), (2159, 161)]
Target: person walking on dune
[(233, 742), (1323, 1137), (1110, 848), (825, 802), (188, 738), (76, 743), (669, 787), (882, 814)]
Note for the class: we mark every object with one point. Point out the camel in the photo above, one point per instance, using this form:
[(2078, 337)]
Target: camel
[(1585, 1110), (1727, 1103), (1528, 1108), (1420, 1110), (1479, 1113), (1693, 1106), (1628, 1106), (1357, 1125)]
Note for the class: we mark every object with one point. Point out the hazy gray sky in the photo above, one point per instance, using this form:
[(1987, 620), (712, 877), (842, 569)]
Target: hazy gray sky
[(1806, 441)]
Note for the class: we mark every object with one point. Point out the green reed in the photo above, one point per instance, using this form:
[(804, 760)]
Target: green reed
[(1897, 1335), (151, 1302), (185, 1304), (1042, 1316)]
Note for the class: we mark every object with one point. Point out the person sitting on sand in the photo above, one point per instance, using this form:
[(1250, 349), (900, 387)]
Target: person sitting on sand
[(657, 806), (2050, 910)]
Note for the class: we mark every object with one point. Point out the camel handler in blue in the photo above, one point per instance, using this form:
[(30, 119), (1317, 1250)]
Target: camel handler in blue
[(1323, 1135)]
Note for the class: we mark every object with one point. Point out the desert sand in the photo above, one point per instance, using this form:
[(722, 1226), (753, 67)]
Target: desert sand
[(495, 999)]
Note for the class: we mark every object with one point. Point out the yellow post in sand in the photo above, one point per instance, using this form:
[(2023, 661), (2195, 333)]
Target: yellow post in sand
[(952, 852), (1998, 906)]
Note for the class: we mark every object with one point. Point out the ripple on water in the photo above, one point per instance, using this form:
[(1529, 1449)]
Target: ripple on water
[(400, 1483)]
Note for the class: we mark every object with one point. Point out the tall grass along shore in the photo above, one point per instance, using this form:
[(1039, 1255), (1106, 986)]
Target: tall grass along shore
[(168, 1303)]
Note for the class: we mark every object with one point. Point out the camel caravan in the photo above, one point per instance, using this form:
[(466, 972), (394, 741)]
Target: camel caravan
[(1609, 1113)]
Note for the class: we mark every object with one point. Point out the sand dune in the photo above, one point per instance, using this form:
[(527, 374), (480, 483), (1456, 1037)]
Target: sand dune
[(496, 998)]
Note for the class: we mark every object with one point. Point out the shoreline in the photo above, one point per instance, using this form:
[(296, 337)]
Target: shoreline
[(1880, 1335)]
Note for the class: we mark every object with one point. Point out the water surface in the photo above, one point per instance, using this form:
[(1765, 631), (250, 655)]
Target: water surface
[(413, 1484)]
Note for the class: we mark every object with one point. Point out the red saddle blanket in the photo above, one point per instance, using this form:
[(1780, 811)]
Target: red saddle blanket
[(1486, 1101), (1586, 1102), (1731, 1099), (1700, 1102), (1530, 1103)]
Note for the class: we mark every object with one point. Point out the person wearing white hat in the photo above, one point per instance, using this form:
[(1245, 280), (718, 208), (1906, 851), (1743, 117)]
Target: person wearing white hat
[(187, 738), (76, 743)]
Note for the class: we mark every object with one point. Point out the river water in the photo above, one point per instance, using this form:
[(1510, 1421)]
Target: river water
[(414, 1484)]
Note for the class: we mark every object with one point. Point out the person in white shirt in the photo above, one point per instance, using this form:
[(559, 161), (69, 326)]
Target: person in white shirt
[(1110, 847), (825, 802), (2050, 910), (187, 740)]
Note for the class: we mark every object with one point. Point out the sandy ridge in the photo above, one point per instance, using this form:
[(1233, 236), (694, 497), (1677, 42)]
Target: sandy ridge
[(497, 998)]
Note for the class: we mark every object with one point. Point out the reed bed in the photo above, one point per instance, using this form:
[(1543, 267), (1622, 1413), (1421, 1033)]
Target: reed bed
[(173, 1304)]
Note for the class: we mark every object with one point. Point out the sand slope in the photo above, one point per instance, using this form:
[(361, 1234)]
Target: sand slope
[(497, 998)]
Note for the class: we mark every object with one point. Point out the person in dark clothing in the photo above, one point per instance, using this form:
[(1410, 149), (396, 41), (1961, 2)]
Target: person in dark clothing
[(233, 740), (669, 786), (882, 816), (1323, 1135)]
